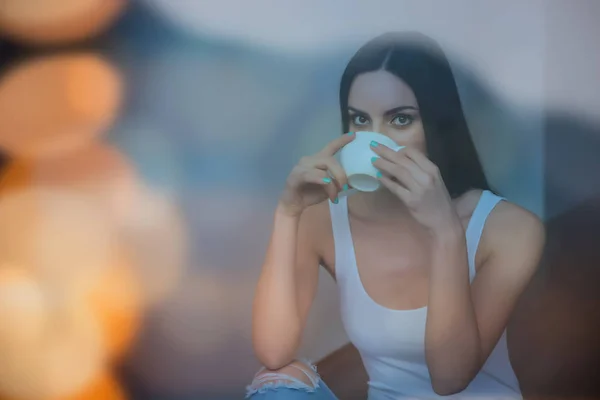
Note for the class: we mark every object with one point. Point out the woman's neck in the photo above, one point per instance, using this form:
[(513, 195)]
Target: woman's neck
[(381, 204)]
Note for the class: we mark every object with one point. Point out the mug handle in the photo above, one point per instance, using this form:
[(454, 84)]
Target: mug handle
[(347, 193)]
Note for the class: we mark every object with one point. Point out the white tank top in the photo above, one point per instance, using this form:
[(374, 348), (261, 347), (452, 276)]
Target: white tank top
[(392, 342)]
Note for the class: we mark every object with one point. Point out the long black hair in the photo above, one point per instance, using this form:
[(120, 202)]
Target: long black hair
[(420, 62)]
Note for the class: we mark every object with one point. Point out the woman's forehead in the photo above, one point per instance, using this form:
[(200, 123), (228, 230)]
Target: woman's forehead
[(379, 91)]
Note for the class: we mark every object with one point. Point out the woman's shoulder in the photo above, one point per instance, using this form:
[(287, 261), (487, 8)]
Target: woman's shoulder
[(512, 229), (509, 215)]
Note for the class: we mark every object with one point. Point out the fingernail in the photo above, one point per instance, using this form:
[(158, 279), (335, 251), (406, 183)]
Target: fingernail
[(327, 180), (374, 143), (378, 174), (350, 133), (346, 187), (373, 159), (336, 200)]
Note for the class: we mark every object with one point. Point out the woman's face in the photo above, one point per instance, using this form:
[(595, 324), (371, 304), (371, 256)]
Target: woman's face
[(381, 102)]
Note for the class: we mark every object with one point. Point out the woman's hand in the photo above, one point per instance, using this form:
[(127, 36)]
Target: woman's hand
[(315, 178), (411, 176)]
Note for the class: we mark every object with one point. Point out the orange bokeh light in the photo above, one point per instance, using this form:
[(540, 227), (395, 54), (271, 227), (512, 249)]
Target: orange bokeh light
[(65, 257), (56, 234), (41, 22), (67, 291), (57, 104), (106, 387), (155, 238), (115, 299), (50, 343), (48, 329), (99, 171)]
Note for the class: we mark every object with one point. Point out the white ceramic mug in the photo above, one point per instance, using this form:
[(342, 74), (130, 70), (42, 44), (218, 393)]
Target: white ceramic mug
[(356, 156)]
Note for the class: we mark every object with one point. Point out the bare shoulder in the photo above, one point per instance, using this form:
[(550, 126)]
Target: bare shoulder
[(512, 232), (506, 219), (511, 221)]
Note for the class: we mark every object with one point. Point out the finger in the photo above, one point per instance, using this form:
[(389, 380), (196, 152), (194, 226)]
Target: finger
[(321, 178), (420, 159), (336, 145), (401, 158), (334, 168), (421, 176), (402, 174), (385, 152), (395, 188)]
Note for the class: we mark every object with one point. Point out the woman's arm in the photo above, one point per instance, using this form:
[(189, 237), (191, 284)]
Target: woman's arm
[(285, 290), (465, 322)]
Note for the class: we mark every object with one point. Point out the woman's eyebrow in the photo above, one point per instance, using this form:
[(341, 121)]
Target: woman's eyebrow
[(357, 111), (398, 109), (388, 112)]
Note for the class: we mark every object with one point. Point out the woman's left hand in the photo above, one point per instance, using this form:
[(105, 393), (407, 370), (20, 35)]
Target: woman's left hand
[(411, 176)]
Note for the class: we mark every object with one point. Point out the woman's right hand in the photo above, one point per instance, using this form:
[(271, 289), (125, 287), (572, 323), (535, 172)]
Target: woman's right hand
[(315, 178)]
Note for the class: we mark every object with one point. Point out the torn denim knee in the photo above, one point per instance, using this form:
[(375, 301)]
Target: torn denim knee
[(278, 380)]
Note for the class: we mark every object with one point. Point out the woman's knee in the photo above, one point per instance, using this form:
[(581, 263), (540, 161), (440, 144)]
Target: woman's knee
[(298, 374)]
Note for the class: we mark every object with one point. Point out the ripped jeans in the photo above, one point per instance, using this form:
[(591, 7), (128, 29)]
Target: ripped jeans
[(280, 385)]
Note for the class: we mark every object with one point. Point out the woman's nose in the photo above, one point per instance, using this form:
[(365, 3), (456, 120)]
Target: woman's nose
[(377, 126), (381, 127)]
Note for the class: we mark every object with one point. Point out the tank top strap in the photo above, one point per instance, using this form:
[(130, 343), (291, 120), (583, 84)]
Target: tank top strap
[(486, 204), (342, 237)]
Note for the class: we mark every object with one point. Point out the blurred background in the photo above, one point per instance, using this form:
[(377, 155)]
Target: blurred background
[(144, 145)]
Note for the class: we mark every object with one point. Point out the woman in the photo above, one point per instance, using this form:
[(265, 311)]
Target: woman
[(429, 267)]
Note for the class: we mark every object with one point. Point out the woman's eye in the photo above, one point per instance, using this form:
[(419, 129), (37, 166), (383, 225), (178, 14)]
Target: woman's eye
[(402, 120), (360, 120)]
